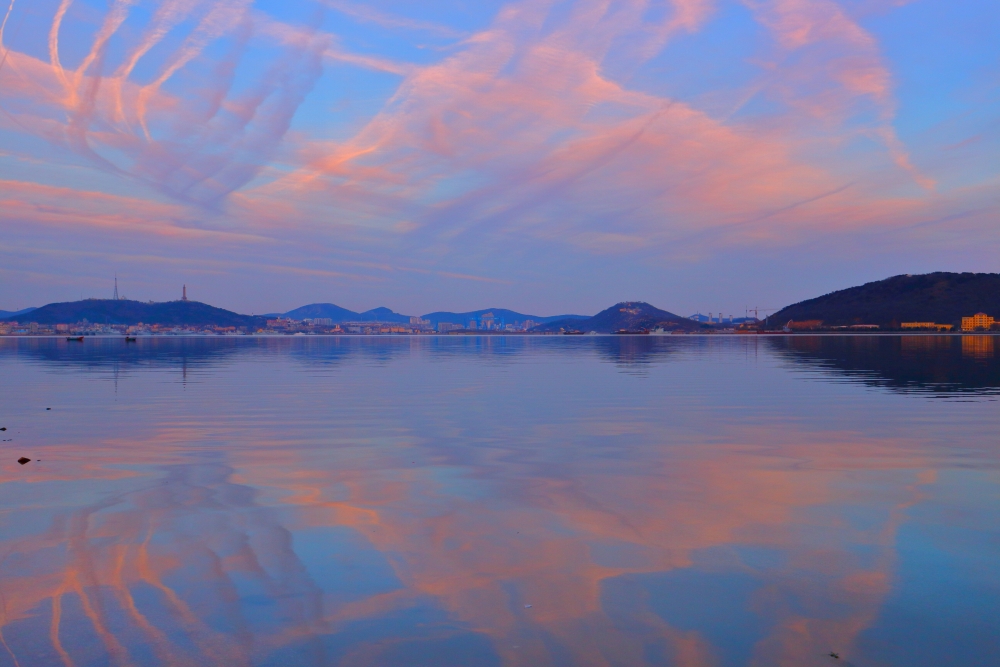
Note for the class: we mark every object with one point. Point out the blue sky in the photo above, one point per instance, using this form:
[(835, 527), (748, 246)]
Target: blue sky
[(543, 156)]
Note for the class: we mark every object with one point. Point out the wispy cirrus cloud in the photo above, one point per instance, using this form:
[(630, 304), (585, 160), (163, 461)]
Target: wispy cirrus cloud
[(543, 127), (196, 147)]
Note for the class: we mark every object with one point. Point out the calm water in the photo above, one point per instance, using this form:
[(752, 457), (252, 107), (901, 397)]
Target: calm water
[(501, 501)]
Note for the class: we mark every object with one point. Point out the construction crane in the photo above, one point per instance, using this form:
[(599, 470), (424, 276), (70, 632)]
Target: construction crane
[(757, 310)]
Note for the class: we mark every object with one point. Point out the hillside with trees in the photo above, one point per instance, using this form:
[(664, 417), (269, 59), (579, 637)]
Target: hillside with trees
[(124, 311), (940, 297)]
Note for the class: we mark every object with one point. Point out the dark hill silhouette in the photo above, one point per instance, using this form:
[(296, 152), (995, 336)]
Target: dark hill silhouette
[(628, 316), (339, 314), (508, 316), (122, 311), (932, 297)]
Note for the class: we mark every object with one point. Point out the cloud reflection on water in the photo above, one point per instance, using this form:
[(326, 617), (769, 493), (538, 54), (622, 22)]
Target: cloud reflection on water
[(405, 511)]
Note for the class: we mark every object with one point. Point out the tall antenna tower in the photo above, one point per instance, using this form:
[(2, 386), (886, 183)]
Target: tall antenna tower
[(116, 286)]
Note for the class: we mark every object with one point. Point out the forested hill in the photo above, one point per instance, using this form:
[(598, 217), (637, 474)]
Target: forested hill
[(122, 311), (932, 297)]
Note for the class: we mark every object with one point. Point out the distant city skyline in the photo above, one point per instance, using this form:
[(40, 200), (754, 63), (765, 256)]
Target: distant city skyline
[(541, 156)]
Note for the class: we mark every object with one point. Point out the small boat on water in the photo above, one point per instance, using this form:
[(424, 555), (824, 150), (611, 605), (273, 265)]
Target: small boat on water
[(129, 339), (76, 338), (572, 332)]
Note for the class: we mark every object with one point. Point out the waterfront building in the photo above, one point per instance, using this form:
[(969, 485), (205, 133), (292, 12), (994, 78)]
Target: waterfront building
[(927, 325), (977, 321), (797, 326)]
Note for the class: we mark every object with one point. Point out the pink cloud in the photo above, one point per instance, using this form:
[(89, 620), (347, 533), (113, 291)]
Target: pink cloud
[(527, 133), (536, 120)]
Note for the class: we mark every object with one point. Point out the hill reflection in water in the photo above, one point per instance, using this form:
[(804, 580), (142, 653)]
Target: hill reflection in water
[(941, 365), (656, 501)]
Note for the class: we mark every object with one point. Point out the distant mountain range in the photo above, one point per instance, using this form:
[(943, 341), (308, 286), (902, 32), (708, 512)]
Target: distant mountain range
[(941, 297), (14, 313), (110, 311), (194, 313), (338, 314), (625, 316)]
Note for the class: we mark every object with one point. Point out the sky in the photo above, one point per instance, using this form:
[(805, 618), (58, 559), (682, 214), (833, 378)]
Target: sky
[(545, 156)]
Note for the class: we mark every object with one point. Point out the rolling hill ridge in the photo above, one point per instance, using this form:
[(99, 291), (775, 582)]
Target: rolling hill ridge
[(932, 297), (122, 311)]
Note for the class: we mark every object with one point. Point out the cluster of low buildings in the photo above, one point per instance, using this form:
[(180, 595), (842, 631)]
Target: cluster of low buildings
[(85, 328), (277, 326), (416, 326), (973, 323), (977, 322), (324, 325)]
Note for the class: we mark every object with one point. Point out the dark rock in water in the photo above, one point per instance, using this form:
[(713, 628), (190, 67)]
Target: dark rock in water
[(23, 460)]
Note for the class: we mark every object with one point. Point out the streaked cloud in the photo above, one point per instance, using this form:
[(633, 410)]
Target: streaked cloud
[(542, 128)]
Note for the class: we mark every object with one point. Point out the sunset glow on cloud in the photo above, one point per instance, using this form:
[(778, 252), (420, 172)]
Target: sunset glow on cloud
[(543, 155)]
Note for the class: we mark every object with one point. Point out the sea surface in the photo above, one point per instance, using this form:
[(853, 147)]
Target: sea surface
[(532, 501)]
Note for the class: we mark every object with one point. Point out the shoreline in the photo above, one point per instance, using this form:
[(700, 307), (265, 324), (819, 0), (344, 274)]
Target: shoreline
[(769, 334)]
